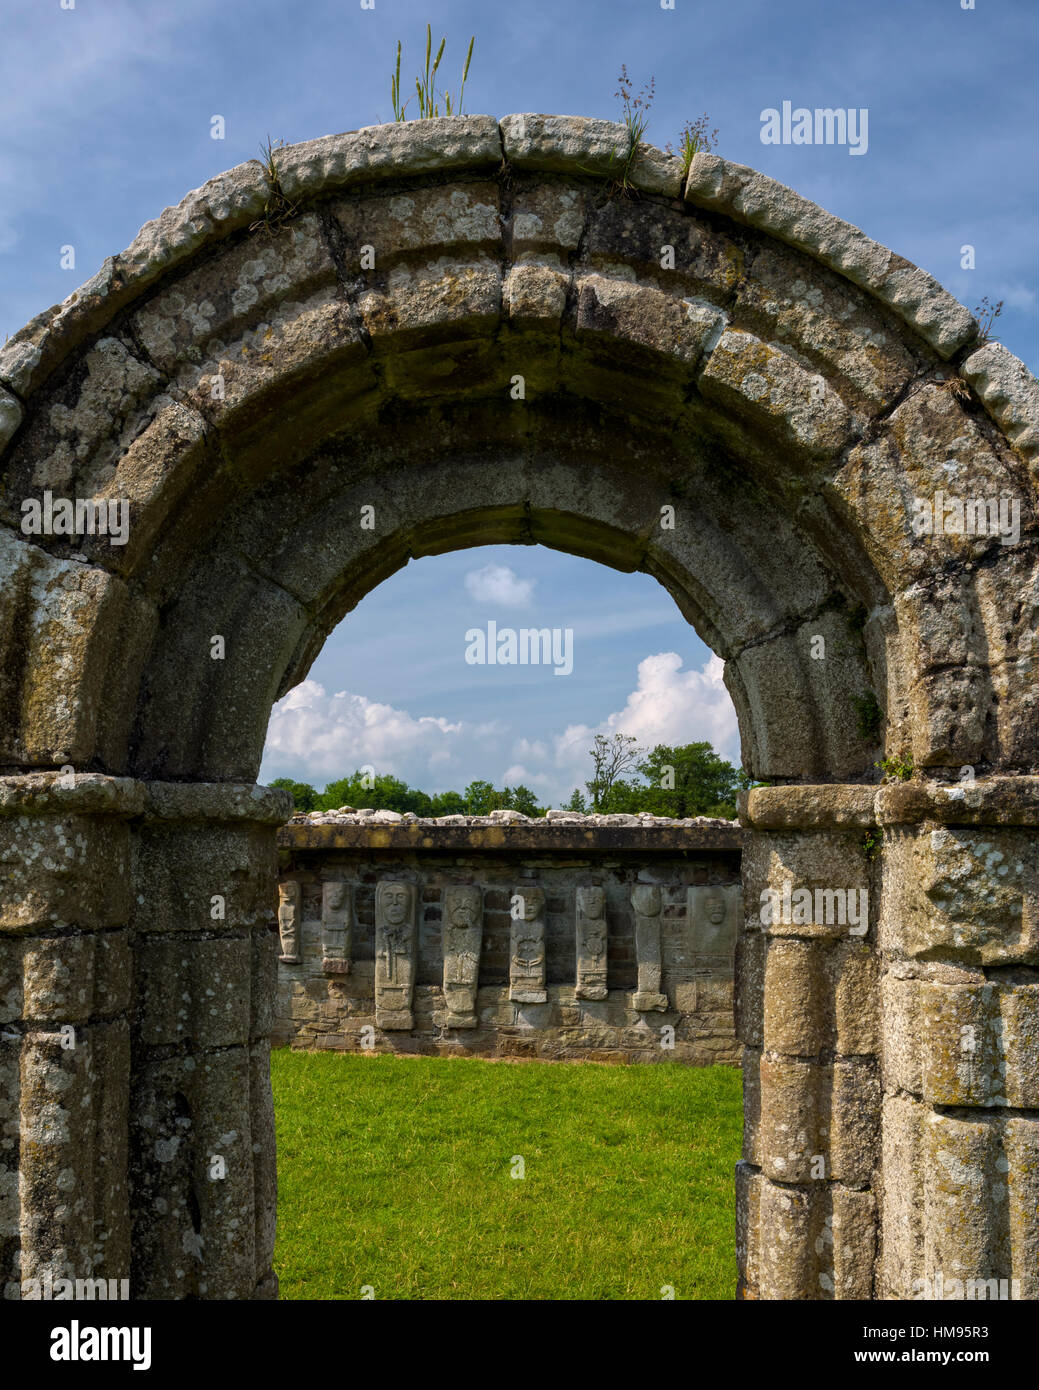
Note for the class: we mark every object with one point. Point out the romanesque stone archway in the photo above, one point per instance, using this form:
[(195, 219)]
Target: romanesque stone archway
[(460, 331)]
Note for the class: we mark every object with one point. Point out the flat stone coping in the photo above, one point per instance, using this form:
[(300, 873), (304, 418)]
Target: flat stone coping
[(95, 794), (999, 800), (572, 833)]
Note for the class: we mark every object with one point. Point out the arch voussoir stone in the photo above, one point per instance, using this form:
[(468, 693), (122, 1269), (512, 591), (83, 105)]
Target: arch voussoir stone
[(439, 334)]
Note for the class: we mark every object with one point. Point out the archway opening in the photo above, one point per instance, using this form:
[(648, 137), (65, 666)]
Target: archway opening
[(403, 693)]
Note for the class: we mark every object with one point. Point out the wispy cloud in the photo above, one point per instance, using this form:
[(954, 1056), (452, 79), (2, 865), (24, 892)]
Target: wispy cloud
[(498, 584)]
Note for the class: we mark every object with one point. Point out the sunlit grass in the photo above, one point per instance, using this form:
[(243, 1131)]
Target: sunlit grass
[(395, 1172)]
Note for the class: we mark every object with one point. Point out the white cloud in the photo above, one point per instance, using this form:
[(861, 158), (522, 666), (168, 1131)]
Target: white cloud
[(668, 705), (318, 737), (328, 736), (499, 584)]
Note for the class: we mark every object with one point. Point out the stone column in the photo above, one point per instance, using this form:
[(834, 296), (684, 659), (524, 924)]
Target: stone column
[(463, 939), (336, 923), (806, 1012), (202, 1152), (65, 1001), (959, 936), (137, 961), (590, 913), (527, 954), (394, 955), (645, 899)]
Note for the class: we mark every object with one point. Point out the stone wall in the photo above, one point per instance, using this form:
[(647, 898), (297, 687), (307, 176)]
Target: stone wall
[(604, 938)]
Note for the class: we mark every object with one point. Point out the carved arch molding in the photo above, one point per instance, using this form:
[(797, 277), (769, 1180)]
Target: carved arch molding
[(461, 331)]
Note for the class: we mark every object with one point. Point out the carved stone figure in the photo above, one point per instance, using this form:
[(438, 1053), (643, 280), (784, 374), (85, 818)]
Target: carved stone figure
[(335, 928), (289, 898), (645, 899), (713, 916), (463, 937), (394, 955), (591, 943), (527, 954)]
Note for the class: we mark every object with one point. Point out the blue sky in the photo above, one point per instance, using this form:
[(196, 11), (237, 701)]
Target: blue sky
[(108, 116)]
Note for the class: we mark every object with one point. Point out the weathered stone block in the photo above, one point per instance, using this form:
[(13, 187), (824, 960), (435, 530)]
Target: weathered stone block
[(73, 1164), (853, 1224), (979, 1044), (795, 998), (58, 620), (582, 144), (770, 392), (535, 295), (853, 976), (191, 990), (72, 978), (792, 1130), (194, 1175), (423, 219), (971, 892), (188, 874), (635, 316), (927, 444), (64, 871), (854, 1106)]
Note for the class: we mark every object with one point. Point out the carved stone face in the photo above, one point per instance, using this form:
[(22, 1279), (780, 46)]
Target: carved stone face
[(646, 899), (533, 902), (591, 902), (394, 900), (714, 910), (336, 895), (464, 909)]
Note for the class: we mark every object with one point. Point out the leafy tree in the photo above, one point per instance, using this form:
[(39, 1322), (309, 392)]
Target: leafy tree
[(524, 801), (611, 758), (447, 804), (304, 796), (690, 780), (626, 797), (481, 799), (381, 792), (576, 802)]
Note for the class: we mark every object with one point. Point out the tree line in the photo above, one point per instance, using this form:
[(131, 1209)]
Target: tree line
[(687, 780)]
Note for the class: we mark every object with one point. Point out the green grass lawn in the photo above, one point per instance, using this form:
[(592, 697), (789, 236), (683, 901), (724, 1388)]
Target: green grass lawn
[(396, 1172)]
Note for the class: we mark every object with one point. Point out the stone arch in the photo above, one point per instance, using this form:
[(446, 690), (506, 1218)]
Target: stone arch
[(524, 353)]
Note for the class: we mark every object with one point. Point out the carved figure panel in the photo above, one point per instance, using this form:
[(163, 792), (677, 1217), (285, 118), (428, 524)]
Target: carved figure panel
[(527, 953), (336, 921), (591, 943), (394, 955), (645, 899), (463, 938), (713, 916), (290, 896)]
